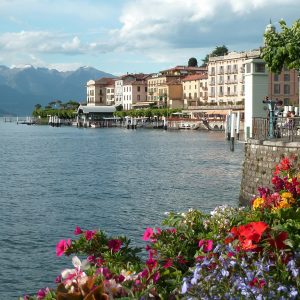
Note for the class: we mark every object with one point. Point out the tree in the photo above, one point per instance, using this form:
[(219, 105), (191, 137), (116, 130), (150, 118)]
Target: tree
[(37, 106), (219, 51), (282, 48), (192, 62)]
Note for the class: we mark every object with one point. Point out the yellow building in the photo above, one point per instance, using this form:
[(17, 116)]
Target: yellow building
[(195, 90)]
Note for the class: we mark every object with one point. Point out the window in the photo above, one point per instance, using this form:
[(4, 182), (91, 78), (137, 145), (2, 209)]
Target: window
[(248, 68), (195, 86), (259, 68), (145, 89), (138, 97), (195, 95), (276, 77), (286, 77), (276, 88), (138, 88), (190, 96), (286, 89)]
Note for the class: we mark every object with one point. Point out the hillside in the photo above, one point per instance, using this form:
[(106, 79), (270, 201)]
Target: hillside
[(22, 88)]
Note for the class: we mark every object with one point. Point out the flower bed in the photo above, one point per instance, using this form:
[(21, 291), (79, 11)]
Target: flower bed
[(231, 253)]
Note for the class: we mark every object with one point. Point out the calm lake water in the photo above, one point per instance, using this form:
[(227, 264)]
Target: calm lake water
[(119, 180)]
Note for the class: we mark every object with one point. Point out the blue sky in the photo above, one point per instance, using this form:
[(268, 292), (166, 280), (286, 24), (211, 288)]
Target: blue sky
[(118, 36)]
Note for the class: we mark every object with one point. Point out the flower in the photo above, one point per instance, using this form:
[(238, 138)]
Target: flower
[(114, 245), (168, 263), (148, 234), (62, 246), (42, 293), (76, 275), (258, 203), (78, 231), (250, 234), (206, 245), (89, 234)]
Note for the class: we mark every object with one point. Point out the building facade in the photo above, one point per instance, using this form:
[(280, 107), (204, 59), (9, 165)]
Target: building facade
[(99, 92), (195, 90), (130, 89), (284, 86), (226, 79)]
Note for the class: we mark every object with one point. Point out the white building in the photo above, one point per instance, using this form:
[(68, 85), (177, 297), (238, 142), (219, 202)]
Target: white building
[(226, 78), (130, 89)]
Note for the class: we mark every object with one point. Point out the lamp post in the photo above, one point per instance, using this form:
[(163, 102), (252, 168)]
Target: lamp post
[(271, 106)]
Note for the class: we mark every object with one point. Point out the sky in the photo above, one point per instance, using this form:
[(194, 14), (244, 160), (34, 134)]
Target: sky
[(120, 36)]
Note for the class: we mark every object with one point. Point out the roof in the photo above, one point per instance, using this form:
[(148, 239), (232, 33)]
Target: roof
[(105, 81), (186, 68), (96, 109), (195, 77)]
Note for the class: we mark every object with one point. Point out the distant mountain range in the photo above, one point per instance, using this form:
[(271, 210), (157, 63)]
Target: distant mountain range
[(22, 88)]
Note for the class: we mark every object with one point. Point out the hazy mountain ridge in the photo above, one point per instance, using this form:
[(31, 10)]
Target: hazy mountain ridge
[(22, 88)]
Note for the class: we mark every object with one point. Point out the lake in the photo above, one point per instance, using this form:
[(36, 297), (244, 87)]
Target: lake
[(115, 179)]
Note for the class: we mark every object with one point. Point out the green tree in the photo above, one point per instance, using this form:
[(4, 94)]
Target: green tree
[(219, 51), (282, 48), (192, 62)]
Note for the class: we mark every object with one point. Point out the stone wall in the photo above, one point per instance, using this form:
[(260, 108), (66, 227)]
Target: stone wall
[(260, 160)]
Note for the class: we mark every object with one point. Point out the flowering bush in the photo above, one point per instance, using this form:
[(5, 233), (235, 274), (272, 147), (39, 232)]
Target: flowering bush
[(231, 253)]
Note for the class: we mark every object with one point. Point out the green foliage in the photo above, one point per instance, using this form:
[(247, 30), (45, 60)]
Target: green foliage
[(282, 48), (62, 110), (219, 51), (192, 62)]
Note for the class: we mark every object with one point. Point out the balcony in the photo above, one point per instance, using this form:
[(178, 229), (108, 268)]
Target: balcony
[(212, 83), (242, 93), (242, 69), (221, 94)]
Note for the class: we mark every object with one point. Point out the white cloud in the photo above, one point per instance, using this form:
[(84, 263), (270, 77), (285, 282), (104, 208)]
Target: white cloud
[(39, 42)]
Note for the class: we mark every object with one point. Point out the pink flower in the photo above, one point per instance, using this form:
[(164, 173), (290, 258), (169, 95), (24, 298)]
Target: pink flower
[(168, 263), (206, 245), (156, 277), (148, 234), (115, 245), (58, 279), (89, 234), (91, 259), (62, 246), (78, 230), (158, 230), (42, 293)]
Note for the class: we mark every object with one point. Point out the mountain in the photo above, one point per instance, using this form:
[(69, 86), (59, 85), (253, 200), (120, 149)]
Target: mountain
[(22, 88)]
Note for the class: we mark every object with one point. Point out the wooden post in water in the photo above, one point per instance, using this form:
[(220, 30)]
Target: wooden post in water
[(232, 131), (238, 118), (227, 128)]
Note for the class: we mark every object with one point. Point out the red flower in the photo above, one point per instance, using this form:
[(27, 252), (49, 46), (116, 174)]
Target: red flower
[(151, 263), (278, 242), (89, 234), (168, 263), (114, 245), (250, 234), (257, 282)]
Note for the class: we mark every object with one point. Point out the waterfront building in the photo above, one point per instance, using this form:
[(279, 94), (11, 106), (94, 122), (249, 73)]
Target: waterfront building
[(195, 91), (100, 92), (284, 86), (130, 89), (226, 77), (165, 88)]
